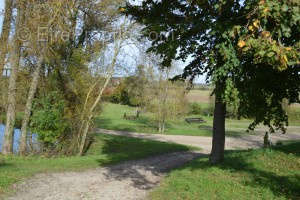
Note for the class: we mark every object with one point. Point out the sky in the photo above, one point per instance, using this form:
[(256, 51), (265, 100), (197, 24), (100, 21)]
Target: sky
[(201, 79), (1, 9)]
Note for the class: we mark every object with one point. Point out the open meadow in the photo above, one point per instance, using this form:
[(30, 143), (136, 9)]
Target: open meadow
[(111, 118)]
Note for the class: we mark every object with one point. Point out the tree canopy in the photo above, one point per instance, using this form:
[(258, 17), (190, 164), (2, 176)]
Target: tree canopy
[(251, 48)]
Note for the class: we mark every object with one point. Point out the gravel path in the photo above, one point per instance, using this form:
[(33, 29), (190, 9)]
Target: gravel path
[(247, 141), (130, 180)]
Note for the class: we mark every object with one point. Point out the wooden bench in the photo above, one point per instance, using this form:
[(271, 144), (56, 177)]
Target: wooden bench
[(195, 120)]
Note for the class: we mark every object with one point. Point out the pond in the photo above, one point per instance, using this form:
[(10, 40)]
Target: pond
[(17, 135)]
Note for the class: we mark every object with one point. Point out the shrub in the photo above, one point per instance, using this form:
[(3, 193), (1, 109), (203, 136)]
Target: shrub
[(48, 120), (195, 109), (231, 112), (120, 95)]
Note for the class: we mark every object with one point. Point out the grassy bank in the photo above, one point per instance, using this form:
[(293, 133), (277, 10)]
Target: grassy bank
[(105, 150), (253, 174)]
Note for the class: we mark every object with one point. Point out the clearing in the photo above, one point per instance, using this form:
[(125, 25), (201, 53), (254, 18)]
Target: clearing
[(112, 119)]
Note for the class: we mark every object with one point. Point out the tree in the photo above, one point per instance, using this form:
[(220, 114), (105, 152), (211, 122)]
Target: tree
[(39, 47), (166, 99), (66, 63), (213, 34), (14, 62), (6, 27), (96, 89)]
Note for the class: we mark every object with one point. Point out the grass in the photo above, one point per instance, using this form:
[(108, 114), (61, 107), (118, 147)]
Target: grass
[(112, 119), (105, 150), (252, 174)]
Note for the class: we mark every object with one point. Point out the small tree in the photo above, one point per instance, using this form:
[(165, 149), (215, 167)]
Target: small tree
[(167, 99)]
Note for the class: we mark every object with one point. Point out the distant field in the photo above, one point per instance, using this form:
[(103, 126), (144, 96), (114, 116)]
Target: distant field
[(200, 96), (112, 118), (204, 98)]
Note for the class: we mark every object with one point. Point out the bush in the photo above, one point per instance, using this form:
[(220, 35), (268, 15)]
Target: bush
[(231, 112), (120, 95), (195, 109), (48, 120)]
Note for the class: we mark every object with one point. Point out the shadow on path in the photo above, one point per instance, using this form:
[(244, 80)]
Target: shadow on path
[(145, 174)]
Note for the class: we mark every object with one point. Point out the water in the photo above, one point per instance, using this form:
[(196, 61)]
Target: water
[(17, 134)]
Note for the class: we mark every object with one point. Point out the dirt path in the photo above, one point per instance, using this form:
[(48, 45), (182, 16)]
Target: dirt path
[(243, 142), (128, 181)]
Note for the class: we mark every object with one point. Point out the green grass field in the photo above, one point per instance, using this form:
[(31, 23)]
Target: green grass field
[(112, 118), (105, 150), (253, 174)]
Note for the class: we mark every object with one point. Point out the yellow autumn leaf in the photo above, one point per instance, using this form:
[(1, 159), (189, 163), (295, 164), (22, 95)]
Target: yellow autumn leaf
[(266, 34), (261, 2), (288, 48), (266, 10), (250, 28), (241, 43), (285, 58), (256, 23), (283, 67)]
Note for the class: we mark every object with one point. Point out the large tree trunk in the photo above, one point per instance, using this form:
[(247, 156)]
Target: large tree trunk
[(11, 107), (28, 108), (218, 141), (5, 32)]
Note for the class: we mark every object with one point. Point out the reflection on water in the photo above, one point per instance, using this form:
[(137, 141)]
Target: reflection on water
[(17, 134)]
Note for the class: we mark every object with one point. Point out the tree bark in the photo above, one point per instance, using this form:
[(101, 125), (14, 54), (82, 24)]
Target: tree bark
[(11, 108), (28, 108), (218, 141), (5, 33), (90, 113), (85, 126)]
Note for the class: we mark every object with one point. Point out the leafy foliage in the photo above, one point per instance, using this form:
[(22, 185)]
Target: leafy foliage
[(249, 49), (48, 120), (195, 108)]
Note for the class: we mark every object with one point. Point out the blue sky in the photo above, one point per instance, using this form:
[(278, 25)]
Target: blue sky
[(1, 8)]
